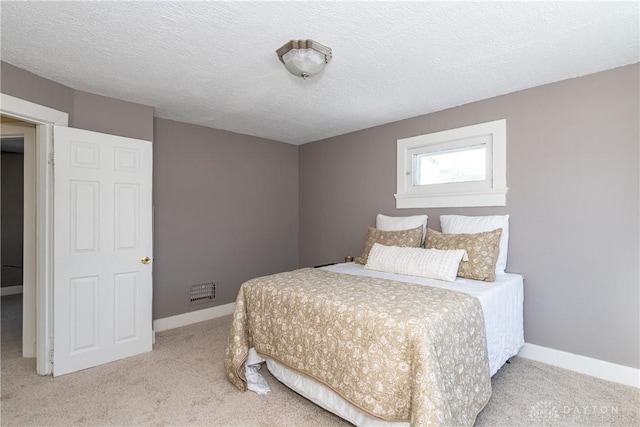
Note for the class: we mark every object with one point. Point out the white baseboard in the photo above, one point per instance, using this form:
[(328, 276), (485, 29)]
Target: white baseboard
[(11, 290), (582, 364), (185, 319)]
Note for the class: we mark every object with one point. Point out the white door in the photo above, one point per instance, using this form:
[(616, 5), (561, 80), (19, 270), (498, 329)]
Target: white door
[(102, 249)]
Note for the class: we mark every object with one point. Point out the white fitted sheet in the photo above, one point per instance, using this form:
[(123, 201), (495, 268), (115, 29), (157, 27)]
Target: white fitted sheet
[(501, 303)]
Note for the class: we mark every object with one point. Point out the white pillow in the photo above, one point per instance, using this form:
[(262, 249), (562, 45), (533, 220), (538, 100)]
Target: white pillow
[(459, 224), (397, 223), (430, 263)]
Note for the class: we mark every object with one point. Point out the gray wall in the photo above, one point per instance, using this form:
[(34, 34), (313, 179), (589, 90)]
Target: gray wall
[(22, 84), (86, 110), (114, 116), (573, 174), (12, 216), (226, 205), (226, 210)]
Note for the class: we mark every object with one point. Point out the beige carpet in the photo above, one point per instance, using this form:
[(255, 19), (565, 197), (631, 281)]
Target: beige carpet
[(182, 383)]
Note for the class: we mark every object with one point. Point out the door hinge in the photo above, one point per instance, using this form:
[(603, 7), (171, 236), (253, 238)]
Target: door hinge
[(52, 160), (51, 356)]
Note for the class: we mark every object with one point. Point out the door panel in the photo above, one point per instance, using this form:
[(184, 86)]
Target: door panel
[(85, 228), (83, 326), (126, 292), (126, 216), (102, 226)]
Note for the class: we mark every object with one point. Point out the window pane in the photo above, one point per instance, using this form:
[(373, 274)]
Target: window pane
[(458, 165)]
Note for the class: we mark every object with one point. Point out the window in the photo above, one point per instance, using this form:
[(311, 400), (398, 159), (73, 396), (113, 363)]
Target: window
[(464, 164), (453, 168)]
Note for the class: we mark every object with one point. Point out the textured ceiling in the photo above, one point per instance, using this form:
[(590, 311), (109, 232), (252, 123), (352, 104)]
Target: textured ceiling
[(214, 63)]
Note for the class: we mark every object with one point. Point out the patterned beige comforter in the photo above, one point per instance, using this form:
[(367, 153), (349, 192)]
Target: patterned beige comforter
[(398, 351)]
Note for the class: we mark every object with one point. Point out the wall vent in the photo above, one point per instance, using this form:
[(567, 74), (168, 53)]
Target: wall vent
[(203, 292)]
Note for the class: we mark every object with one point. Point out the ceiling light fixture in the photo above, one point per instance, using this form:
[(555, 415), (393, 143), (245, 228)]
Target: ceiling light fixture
[(304, 58)]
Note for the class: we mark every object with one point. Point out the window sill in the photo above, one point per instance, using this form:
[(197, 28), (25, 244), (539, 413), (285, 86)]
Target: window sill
[(495, 197)]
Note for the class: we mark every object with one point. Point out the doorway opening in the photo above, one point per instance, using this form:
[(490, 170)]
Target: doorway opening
[(37, 320), (17, 251)]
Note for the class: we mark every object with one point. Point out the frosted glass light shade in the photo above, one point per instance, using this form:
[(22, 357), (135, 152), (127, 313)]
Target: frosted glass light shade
[(304, 62), (304, 58)]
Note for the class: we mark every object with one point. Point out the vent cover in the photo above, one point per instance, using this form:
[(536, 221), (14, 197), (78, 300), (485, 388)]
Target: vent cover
[(203, 292)]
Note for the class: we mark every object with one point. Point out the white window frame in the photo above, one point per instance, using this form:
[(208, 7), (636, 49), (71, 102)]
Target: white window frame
[(490, 192)]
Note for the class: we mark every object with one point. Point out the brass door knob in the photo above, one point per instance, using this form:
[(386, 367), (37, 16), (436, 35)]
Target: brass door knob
[(145, 260)]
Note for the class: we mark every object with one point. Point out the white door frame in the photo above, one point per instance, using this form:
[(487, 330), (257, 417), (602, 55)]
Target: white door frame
[(44, 118)]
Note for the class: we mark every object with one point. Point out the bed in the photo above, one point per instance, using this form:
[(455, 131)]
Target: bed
[(501, 303), (380, 348)]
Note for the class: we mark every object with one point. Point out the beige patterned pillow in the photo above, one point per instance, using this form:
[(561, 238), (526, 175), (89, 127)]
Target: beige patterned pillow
[(482, 250), (405, 238)]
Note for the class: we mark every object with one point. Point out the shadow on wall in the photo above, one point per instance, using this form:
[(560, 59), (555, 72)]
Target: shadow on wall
[(12, 217)]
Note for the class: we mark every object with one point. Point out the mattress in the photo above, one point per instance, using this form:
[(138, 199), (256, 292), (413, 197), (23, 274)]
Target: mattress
[(501, 303)]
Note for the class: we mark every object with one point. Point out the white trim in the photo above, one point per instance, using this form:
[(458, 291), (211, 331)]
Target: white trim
[(495, 197), (44, 248), (30, 241), (185, 319), (30, 112), (44, 118), (490, 192), (582, 364), (11, 290), (27, 131)]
